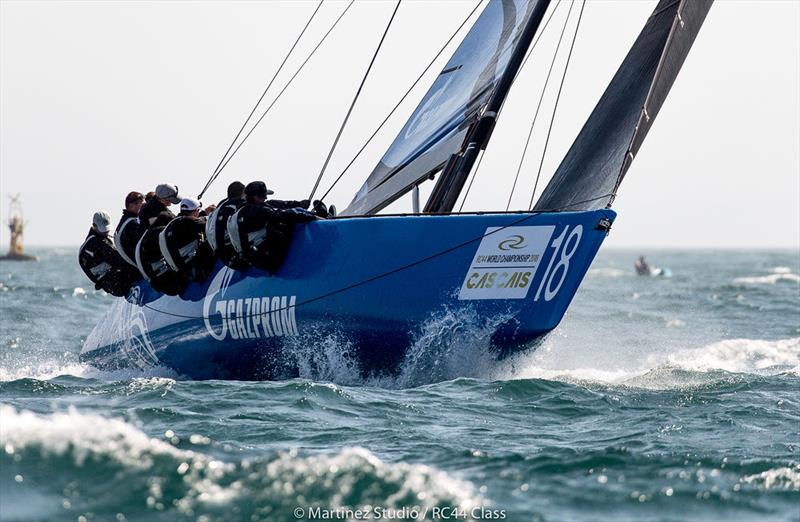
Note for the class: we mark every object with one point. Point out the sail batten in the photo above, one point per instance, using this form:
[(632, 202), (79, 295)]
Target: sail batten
[(442, 121), (591, 172)]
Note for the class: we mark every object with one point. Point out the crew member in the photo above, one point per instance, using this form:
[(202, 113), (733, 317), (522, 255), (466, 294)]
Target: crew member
[(151, 262), (165, 195), (102, 263), (128, 232), (319, 208), (217, 227), (183, 243), (191, 207), (261, 230), (642, 267)]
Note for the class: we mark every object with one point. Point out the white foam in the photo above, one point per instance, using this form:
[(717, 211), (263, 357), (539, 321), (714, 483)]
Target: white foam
[(657, 371), (44, 371), (579, 375), (328, 359), (287, 479), (337, 477), (449, 345), (739, 355), (770, 279), (777, 478), (607, 272), (84, 436)]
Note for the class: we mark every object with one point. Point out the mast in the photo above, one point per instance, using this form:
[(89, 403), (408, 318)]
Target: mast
[(454, 175)]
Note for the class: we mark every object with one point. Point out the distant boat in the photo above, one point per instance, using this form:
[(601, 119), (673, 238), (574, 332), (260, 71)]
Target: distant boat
[(16, 224), (643, 268), (376, 283)]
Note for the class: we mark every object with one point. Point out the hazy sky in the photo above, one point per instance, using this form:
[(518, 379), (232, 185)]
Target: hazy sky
[(97, 99)]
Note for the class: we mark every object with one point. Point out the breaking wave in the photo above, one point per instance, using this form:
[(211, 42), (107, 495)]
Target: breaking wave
[(778, 274), (676, 369), (44, 371), (183, 483), (776, 478)]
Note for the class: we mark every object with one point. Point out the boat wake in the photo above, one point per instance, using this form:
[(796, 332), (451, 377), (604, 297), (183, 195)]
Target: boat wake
[(46, 371), (680, 368), (456, 345)]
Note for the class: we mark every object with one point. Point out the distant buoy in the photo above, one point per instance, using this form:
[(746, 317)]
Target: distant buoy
[(16, 224)]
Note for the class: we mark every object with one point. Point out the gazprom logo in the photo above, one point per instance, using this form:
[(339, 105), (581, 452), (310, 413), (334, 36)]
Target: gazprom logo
[(246, 318)]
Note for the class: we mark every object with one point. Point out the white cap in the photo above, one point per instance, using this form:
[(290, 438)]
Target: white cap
[(101, 222), (189, 204)]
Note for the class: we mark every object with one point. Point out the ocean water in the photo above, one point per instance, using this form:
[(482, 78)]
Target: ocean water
[(656, 399)]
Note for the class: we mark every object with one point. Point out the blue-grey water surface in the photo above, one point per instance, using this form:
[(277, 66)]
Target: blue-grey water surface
[(656, 399)]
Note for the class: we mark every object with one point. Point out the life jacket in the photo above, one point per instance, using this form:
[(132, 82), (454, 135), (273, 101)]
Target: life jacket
[(126, 237), (154, 213), (104, 266), (259, 237), (218, 237), (184, 246), (154, 267)]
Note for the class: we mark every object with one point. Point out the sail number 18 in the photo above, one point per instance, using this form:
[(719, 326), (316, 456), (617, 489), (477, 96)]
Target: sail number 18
[(556, 273)]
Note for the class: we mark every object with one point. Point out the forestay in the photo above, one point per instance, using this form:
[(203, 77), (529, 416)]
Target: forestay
[(438, 126), (590, 174)]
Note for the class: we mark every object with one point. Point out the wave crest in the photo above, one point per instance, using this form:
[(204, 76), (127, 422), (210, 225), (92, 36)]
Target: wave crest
[(777, 274), (71, 447), (778, 478)]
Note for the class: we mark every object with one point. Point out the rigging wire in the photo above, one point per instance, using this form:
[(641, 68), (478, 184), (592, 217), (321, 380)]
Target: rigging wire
[(530, 51), (266, 89), (528, 55), (402, 99), (555, 106), (353, 103), (471, 181), (297, 72), (539, 105)]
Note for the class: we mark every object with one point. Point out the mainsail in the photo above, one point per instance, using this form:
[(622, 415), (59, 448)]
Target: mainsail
[(592, 170), (441, 122)]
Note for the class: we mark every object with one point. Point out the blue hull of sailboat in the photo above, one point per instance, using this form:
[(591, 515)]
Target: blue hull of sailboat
[(370, 284)]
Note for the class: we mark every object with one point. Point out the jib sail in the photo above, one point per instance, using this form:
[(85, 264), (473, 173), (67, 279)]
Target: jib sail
[(441, 121), (592, 170)]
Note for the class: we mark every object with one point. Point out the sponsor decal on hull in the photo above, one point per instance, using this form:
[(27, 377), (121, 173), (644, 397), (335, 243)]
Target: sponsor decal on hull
[(136, 344), (248, 317), (505, 263)]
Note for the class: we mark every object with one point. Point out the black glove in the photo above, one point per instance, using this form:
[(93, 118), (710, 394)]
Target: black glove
[(320, 209), (305, 204)]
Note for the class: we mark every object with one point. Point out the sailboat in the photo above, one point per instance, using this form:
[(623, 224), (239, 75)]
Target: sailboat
[(375, 281)]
